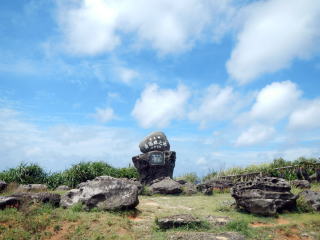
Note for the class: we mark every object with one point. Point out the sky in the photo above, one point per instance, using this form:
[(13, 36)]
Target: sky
[(230, 82)]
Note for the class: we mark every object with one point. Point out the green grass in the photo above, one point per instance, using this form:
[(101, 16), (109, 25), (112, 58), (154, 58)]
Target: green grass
[(45, 222)]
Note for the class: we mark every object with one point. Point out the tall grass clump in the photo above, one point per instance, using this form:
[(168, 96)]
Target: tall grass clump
[(78, 173), (24, 174), (270, 169), (189, 177)]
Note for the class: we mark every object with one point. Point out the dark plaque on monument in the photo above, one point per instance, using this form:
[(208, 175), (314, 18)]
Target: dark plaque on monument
[(157, 160)]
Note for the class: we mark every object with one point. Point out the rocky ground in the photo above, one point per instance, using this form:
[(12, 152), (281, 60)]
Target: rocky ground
[(216, 213)]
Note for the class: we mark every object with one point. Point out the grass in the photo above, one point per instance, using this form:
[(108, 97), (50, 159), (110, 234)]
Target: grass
[(45, 222)]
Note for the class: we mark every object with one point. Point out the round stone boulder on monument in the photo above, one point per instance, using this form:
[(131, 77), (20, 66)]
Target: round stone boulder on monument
[(156, 161), (156, 141)]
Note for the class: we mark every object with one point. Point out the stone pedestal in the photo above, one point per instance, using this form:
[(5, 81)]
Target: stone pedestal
[(155, 164)]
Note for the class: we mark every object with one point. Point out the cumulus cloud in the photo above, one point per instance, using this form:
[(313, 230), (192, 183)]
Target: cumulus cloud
[(157, 107), (255, 135), (216, 104), (126, 75), (275, 101), (274, 33), (307, 116), (104, 114), (59, 146), (96, 26)]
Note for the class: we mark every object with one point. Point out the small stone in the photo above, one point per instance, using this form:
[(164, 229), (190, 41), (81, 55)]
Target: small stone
[(177, 221), (189, 188), (62, 188), (206, 236), (32, 187), (217, 220), (3, 185), (301, 183)]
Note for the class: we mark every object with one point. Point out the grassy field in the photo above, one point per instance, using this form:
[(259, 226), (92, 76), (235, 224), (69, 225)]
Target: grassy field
[(45, 222)]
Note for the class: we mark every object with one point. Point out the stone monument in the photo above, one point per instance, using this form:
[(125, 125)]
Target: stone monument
[(157, 161)]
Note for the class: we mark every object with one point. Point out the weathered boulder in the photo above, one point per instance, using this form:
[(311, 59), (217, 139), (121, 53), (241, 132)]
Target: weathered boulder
[(264, 196), (312, 198), (154, 165), (206, 236), (189, 188), (105, 193), (63, 188), (32, 187), (9, 202), (181, 181), (219, 184), (205, 189), (177, 221), (165, 186), (3, 185), (156, 141), (302, 174), (316, 176), (301, 183), (134, 182), (41, 197)]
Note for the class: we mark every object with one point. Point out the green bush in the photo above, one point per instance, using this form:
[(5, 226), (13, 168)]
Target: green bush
[(78, 173), (303, 206), (24, 174), (189, 177), (54, 180)]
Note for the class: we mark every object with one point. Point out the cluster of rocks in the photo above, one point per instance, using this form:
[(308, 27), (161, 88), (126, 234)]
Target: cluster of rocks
[(18, 199), (264, 196)]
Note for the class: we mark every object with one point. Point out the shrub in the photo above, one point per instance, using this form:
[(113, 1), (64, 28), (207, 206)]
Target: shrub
[(303, 206), (189, 177), (24, 174), (55, 179)]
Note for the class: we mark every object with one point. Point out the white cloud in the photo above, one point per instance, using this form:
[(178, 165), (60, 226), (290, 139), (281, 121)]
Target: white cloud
[(95, 26), (104, 114), (255, 135), (274, 33), (158, 107), (126, 75), (59, 146), (275, 101), (216, 104), (307, 116)]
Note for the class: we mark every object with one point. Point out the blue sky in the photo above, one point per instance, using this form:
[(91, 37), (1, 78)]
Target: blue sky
[(231, 83)]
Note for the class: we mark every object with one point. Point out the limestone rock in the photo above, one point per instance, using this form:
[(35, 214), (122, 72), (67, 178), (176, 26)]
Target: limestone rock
[(218, 220), (9, 202), (156, 141), (189, 188), (219, 184), (312, 198), (206, 236), (62, 188), (3, 185), (177, 221), (41, 197), (165, 186), (32, 187), (154, 165), (105, 193), (206, 189), (301, 183), (264, 196)]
